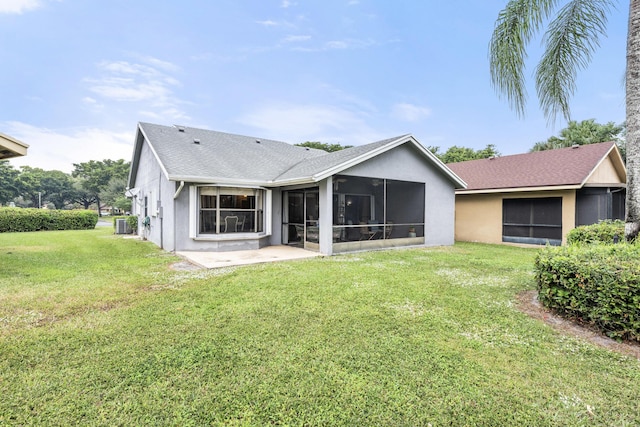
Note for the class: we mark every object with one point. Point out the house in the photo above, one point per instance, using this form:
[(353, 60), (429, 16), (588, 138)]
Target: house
[(538, 197), (11, 147), (201, 190)]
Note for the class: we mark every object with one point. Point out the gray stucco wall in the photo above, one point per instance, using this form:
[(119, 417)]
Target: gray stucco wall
[(405, 163), (276, 217), (158, 190)]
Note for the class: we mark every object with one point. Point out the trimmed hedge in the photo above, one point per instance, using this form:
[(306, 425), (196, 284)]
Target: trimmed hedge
[(596, 284), (602, 232), (132, 220), (19, 220)]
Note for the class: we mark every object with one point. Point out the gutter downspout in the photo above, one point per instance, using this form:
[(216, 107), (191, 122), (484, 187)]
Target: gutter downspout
[(175, 196)]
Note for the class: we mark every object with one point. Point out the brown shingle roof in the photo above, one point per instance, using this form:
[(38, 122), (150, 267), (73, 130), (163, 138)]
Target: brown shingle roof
[(564, 166)]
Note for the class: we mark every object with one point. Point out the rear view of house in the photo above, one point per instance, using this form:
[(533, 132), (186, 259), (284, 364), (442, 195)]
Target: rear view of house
[(538, 197), (197, 189)]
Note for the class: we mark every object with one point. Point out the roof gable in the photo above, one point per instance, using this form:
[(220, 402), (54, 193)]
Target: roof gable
[(322, 167), (552, 168)]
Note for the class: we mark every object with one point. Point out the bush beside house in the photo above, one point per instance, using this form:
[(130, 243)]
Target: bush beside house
[(20, 220), (603, 232), (598, 284)]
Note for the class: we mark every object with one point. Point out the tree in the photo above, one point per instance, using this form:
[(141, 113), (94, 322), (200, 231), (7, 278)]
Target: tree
[(582, 133), (330, 148), (114, 196), (571, 38), (93, 179), (42, 188), (455, 154), (8, 177)]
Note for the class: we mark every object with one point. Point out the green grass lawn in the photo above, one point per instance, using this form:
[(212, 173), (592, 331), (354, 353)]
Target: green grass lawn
[(98, 330)]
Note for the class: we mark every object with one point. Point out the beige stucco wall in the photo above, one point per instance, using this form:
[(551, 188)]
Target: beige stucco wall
[(606, 174), (479, 216)]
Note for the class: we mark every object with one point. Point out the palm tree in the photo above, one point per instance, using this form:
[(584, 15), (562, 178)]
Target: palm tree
[(571, 38)]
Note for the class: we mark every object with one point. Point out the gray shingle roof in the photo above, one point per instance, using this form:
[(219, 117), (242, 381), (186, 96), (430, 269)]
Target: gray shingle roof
[(221, 155), (319, 164), (199, 155)]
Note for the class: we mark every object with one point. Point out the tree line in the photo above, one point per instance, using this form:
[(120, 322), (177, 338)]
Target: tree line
[(576, 133), (92, 184)]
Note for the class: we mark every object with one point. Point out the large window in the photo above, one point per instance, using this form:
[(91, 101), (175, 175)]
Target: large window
[(230, 210), (535, 221)]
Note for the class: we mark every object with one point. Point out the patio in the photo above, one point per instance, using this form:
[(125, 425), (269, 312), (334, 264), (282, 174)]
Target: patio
[(235, 258)]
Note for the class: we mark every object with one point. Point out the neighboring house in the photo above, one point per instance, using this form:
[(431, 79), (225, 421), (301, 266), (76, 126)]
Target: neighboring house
[(202, 190), (537, 198), (11, 147)]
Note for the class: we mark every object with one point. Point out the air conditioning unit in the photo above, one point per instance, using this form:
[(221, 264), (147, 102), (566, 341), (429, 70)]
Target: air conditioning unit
[(122, 227)]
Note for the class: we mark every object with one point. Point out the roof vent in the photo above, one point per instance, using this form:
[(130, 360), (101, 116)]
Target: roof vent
[(257, 141), (196, 141), (575, 146), (492, 157), (180, 128)]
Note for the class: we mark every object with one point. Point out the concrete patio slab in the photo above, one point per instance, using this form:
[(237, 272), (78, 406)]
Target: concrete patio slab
[(233, 258)]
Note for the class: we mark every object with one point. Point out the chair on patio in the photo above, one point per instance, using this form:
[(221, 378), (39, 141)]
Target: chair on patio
[(375, 230)]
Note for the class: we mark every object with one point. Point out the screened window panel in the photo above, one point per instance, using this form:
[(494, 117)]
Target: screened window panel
[(533, 218)]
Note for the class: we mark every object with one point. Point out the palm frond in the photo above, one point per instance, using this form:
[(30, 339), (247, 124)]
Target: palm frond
[(570, 41), (515, 26)]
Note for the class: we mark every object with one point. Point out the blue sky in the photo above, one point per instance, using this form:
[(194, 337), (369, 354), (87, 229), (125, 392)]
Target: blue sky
[(77, 75)]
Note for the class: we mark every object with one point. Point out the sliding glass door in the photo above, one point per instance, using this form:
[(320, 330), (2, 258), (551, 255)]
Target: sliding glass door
[(300, 225)]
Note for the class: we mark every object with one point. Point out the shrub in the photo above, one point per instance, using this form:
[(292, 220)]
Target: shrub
[(132, 221), (596, 284), (31, 219), (602, 232)]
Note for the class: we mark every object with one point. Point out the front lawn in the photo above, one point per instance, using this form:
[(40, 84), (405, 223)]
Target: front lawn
[(96, 329)]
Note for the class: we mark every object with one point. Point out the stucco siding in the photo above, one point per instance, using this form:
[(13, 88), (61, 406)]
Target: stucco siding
[(153, 185), (605, 174), (478, 217)]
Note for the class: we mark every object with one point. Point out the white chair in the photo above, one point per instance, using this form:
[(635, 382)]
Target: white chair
[(230, 222)]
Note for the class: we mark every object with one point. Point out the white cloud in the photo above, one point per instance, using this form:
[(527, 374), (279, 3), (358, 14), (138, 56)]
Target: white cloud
[(56, 149), (299, 123), (286, 3), (268, 23), (338, 45), (19, 6), (409, 112), (149, 83), (295, 39)]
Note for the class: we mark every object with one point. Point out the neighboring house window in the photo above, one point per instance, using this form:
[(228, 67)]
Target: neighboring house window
[(535, 221), (224, 210)]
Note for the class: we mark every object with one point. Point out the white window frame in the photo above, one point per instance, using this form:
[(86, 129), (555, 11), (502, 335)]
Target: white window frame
[(194, 193)]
